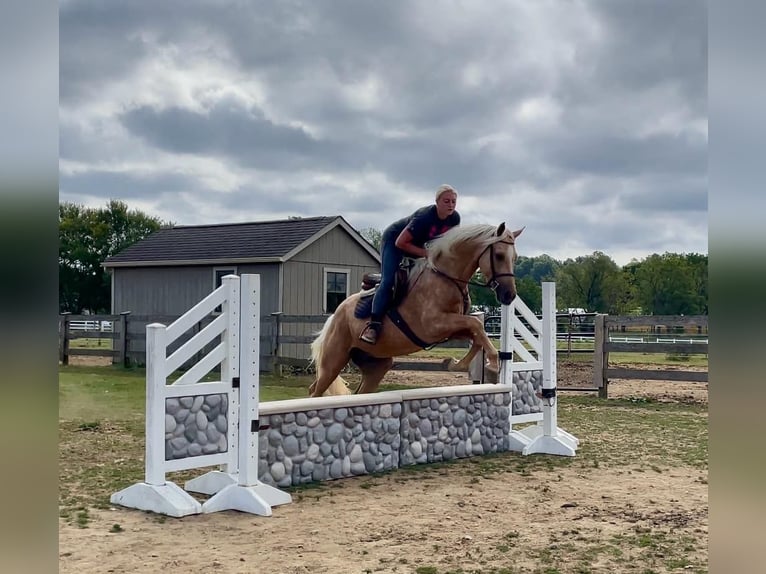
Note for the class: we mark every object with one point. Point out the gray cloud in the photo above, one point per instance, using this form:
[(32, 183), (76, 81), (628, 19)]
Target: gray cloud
[(611, 155), (223, 131), (564, 114), (125, 186)]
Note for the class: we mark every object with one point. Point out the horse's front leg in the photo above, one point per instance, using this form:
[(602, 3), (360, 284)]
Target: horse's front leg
[(454, 323), (464, 364)]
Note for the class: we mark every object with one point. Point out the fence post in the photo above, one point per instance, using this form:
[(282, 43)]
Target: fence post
[(507, 338), (476, 368), (600, 357), (550, 374), (156, 345), (64, 338), (276, 327), (122, 342)]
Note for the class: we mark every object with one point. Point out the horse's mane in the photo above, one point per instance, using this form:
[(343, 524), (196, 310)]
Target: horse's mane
[(481, 234)]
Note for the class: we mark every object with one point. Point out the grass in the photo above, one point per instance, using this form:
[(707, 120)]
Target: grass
[(90, 343), (642, 550), (649, 359), (87, 393), (101, 412)]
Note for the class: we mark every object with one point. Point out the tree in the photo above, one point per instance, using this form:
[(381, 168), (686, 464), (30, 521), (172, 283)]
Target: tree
[(530, 273), (593, 282), (630, 303), (374, 236), (698, 266), (482, 297), (539, 269), (672, 284), (87, 236), (531, 292)]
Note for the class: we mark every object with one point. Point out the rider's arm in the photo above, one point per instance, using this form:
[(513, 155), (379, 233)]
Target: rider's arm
[(404, 242)]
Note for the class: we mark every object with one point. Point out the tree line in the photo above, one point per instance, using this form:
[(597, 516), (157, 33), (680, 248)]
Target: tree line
[(660, 284), (87, 236)]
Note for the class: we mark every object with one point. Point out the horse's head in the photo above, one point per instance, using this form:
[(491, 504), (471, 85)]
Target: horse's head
[(496, 264)]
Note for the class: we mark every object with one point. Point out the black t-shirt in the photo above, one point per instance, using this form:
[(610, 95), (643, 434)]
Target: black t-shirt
[(424, 225)]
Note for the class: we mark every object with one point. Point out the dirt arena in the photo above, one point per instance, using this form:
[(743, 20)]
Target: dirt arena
[(456, 518)]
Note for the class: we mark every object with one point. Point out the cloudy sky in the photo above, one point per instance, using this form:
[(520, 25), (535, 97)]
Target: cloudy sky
[(585, 121)]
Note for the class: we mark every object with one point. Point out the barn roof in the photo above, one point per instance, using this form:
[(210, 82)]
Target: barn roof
[(254, 242)]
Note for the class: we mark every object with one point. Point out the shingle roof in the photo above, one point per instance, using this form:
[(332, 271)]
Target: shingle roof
[(233, 241)]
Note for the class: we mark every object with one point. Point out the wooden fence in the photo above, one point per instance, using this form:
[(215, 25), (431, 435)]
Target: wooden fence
[(672, 324), (285, 339), (116, 336), (126, 340)]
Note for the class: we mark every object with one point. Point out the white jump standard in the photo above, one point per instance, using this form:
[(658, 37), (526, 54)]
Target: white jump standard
[(237, 487), (545, 437)]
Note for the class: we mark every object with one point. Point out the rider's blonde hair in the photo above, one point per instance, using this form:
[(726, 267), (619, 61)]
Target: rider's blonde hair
[(444, 189)]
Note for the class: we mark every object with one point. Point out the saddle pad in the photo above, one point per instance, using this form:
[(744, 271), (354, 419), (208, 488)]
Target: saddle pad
[(363, 307)]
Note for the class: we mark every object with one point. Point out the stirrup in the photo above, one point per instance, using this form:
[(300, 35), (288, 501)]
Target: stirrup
[(371, 338)]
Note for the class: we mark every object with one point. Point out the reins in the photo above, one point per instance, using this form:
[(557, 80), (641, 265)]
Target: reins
[(491, 283)]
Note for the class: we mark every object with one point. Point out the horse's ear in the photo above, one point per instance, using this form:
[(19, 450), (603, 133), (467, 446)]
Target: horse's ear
[(500, 229), (518, 232)]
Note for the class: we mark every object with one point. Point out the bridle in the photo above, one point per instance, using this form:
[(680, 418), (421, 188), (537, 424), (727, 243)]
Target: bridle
[(492, 282)]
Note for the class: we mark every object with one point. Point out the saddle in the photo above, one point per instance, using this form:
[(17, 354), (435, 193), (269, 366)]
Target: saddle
[(370, 282)]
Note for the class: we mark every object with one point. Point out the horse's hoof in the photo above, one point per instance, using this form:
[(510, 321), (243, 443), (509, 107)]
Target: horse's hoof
[(450, 364), (493, 368)]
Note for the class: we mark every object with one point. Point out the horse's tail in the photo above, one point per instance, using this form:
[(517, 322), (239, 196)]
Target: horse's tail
[(338, 386)]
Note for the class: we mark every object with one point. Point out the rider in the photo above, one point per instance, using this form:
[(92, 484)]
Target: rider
[(408, 236)]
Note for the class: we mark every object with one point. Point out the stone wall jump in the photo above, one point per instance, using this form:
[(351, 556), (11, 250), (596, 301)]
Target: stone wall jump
[(312, 440)]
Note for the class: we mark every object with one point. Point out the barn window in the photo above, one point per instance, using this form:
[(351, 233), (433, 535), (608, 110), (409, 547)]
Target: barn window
[(218, 274), (335, 288)]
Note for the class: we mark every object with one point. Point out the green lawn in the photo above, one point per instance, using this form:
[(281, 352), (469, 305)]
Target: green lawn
[(89, 393), (614, 358), (90, 343)]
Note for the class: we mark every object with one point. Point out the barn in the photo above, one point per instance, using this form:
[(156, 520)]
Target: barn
[(307, 266)]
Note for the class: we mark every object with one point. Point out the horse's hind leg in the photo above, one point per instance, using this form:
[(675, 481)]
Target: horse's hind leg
[(373, 370), (373, 373), (328, 369)]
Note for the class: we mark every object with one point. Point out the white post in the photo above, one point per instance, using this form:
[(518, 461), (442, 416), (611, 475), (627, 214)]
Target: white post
[(550, 412), (250, 380), (507, 333), (248, 495), (215, 481), (552, 440), (476, 368), (230, 364), (156, 348)]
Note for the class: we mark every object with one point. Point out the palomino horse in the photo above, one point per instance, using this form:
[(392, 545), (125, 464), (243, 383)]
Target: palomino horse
[(434, 309)]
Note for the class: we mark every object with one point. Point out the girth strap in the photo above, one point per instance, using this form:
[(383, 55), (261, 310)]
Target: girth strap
[(397, 320)]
